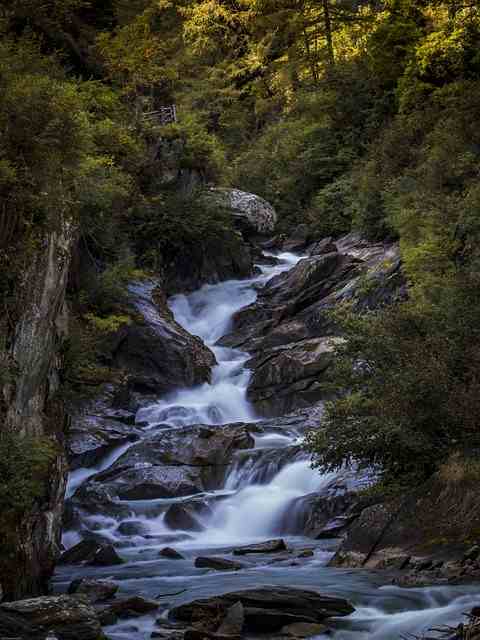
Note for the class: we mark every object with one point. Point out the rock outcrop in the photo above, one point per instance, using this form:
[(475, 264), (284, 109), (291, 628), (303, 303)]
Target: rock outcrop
[(266, 609), (289, 330), (427, 532), (166, 464), (251, 211), (158, 353), (30, 407)]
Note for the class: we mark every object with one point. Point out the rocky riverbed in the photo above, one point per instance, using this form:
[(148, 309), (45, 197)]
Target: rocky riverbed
[(192, 511)]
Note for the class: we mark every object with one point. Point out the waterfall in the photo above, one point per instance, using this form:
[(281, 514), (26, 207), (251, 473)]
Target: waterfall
[(207, 313)]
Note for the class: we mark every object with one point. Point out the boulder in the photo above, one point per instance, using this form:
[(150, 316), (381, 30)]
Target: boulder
[(69, 617), (183, 516), (250, 210), (232, 624), (106, 556), (168, 552), (288, 377), (94, 590), (270, 546), (158, 353), (219, 564), (92, 437), (328, 513), (303, 630), (266, 609), (133, 528), (168, 464), (133, 606), (81, 553)]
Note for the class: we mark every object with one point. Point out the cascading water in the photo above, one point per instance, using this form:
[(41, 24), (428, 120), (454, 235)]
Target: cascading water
[(260, 488), (208, 313)]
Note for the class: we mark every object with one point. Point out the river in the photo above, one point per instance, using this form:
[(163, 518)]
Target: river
[(254, 505)]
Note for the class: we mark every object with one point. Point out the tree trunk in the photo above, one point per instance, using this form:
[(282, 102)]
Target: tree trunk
[(328, 32)]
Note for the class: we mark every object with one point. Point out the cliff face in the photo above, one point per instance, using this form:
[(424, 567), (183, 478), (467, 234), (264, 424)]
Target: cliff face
[(30, 408)]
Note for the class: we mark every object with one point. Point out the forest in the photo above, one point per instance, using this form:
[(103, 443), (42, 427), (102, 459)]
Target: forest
[(345, 115)]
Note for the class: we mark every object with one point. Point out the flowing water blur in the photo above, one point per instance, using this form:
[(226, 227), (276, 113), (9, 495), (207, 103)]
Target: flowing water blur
[(256, 501)]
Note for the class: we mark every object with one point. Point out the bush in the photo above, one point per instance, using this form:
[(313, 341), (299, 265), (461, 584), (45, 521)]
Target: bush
[(24, 466), (410, 390)]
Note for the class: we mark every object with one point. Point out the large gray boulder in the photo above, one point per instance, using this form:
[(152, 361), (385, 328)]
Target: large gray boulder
[(167, 464), (251, 210)]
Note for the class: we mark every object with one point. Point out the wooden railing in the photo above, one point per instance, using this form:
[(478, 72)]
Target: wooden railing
[(162, 116)]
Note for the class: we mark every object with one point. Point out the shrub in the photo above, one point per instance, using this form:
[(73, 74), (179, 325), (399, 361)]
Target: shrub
[(409, 386)]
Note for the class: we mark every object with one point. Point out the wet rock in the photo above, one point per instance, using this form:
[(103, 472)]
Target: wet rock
[(328, 514), (281, 373), (168, 631), (168, 552), (94, 590), (219, 564), (306, 553), (106, 556), (270, 546), (82, 552), (92, 437), (327, 245), (158, 354), (232, 624), (180, 516), (69, 617), (303, 630), (166, 464), (289, 329), (134, 606), (133, 528), (266, 609)]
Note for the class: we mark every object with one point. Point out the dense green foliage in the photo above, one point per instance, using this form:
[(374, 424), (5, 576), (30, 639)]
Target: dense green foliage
[(345, 114), (24, 466), (413, 386)]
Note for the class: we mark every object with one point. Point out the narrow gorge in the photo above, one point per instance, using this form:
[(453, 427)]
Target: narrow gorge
[(194, 494), (239, 320)]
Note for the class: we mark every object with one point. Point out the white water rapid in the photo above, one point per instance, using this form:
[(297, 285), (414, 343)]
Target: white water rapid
[(208, 313), (255, 504)]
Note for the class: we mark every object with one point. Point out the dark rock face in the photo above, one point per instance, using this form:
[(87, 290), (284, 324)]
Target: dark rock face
[(69, 617), (328, 514), (266, 609), (230, 257), (91, 437), (186, 517), (288, 329), (31, 407), (159, 354)]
